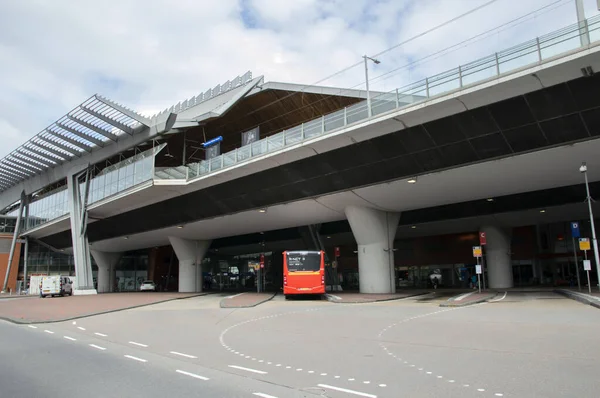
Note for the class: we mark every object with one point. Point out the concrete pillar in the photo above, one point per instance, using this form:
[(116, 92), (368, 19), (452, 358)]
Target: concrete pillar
[(374, 231), (190, 254), (498, 257), (107, 263)]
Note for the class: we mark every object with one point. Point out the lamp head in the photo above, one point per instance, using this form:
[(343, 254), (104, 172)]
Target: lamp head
[(583, 167)]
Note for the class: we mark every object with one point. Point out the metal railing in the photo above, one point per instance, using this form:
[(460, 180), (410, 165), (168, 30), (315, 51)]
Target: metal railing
[(523, 55)]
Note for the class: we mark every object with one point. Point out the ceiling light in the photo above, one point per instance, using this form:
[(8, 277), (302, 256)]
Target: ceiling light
[(329, 237), (490, 199), (542, 211), (262, 233), (412, 180), (262, 210), (126, 237), (414, 226), (180, 226)]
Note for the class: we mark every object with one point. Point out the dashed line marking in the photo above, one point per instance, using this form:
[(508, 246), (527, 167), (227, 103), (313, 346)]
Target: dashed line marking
[(135, 358), (248, 369), (80, 328), (499, 395), (97, 347), (49, 331), (33, 327), (70, 338), (100, 334), (362, 394), (182, 354), (260, 394), (138, 344), (183, 372)]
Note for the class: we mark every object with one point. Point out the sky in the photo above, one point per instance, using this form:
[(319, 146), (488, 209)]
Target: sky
[(149, 55)]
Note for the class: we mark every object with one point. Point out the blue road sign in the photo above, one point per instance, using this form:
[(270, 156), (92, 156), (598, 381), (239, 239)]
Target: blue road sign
[(575, 233)]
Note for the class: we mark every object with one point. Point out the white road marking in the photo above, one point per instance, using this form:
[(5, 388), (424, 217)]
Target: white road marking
[(335, 297), (138, 344), (183, 372), (500, 299), (260, 394), (481, 389), (499, 395), (248, 369), (181, 354), (323, 374), (383, 385), (70, 338), (98, 347), (362, 394), (33, 327), (135, 358), (49, 331), (100, 334), (463, 296), (80, 328), (235, 295)]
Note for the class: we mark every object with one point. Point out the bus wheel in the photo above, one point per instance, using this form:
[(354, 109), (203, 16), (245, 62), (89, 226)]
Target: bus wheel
[(286, 296)]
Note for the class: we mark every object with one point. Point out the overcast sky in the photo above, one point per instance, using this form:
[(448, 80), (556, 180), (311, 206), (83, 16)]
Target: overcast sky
[(150, 54)]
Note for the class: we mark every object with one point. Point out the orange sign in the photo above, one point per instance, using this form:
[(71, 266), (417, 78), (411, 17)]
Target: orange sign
[(477, 251)]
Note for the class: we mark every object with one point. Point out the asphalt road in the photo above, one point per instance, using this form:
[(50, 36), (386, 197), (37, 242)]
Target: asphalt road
[(523, 345)]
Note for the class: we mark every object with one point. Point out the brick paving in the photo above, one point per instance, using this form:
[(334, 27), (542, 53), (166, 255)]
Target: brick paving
[(35, 309), (353, 297), (246, 300)]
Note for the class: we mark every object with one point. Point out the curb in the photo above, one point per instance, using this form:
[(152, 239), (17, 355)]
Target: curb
[(250, 305), (27, 322), (578, 297), (374, 301), (451, 303)]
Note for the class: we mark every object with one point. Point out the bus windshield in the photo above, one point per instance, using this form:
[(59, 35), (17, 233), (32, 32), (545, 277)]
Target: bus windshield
[(303, 261)]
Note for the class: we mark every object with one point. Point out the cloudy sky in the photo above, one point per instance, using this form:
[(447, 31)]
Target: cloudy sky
[(151, 54)]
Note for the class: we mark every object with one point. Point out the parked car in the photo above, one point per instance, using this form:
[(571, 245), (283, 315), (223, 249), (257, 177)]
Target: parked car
[(148, 286), (56, 285)]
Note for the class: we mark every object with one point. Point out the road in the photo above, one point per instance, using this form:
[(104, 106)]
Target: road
[(524, 345)]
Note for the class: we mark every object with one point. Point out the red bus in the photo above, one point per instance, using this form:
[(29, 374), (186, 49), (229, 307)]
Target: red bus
[(303, 272)]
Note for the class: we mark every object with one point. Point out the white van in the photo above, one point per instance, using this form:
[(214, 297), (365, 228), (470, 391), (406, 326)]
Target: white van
[(56, 285)]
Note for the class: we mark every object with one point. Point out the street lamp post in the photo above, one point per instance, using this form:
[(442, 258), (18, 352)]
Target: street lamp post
[(583, 169), (376, 61)]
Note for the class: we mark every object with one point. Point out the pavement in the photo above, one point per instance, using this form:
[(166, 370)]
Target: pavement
[(246, 300), (522, 344), (36, 310), (592, 299), (469, 298), (354, 297)]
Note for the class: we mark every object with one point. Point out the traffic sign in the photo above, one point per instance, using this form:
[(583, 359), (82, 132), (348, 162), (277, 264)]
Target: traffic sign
[(584, 244), (478, 269), (575, 231), (482, 239), (262, 261), (587, 265), (477, 251), (337, 251)]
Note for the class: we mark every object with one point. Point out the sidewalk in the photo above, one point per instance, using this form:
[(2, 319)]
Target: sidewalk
[(38, 310), (583, 297), (246, 300), (354, 298), (469, 298)]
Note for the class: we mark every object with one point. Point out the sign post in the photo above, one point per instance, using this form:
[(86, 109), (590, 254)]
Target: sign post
[(576, 233), (477, 254), (482, 242), (584, 244), (262, 273)]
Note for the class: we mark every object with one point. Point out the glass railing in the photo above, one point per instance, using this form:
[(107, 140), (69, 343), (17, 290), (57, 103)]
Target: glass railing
[(524, 55)]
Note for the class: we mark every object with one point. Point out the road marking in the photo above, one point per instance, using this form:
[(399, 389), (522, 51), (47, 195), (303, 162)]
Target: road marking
[(49, 331), (183, 372), (70, 338), (383, 385), (481, 389), (80, 328), (335, 297), (33, 327), (463, 296), (135, 358), (100, 334), (139, 344), (362, 394), (499, 395), (248, 369), (260, 394), (181, 354), (500, 299), (235, 295), (98, 347)]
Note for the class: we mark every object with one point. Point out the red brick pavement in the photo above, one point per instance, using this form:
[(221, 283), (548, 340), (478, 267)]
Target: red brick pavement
[(63, 308), (246, 300)]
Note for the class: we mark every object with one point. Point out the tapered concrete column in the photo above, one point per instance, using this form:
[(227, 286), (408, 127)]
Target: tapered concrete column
[(374, 231), (107, 263), (497, 257), (190, 254)]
